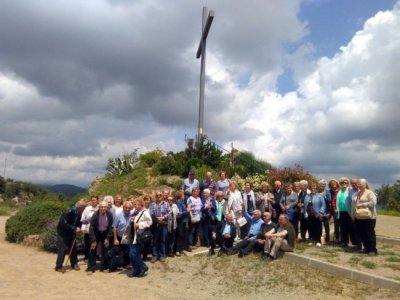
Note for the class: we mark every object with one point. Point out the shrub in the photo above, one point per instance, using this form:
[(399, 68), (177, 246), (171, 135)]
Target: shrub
[(286, 175), (50, 238), (256, 181), (151, 158), (32, 219)]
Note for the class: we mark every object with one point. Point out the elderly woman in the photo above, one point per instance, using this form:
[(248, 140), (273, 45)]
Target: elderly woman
[(314, 212), (234, 205), (265, 200), (333, 191), (343, 206), (140, 221), (194, 206), (289, 205), (364, 215)]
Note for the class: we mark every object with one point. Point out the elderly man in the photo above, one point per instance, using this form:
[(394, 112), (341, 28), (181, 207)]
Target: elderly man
[(266, 228), (208, 183), (277, 192), (208, 219), (245, 246), (189, 184), (100, 234), (68, 226), (159, 212), (282, 240), (225, 234), (120, 223)]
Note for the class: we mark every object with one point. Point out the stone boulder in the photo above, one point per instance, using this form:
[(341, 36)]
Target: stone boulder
[(33, 240)]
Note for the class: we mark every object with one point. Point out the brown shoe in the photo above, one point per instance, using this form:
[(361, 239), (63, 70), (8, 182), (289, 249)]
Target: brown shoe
[(61, 270), (153, 259), (162, 259), (76, 267)]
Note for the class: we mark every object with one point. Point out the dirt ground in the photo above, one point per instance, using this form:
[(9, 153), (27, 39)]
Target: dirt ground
[(26, 273)]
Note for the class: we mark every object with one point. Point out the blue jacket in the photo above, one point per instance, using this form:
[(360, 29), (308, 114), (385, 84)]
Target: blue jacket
[(183, 209), (209, 214), (318, 205)]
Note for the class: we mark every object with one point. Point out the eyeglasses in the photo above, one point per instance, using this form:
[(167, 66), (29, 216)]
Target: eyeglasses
[(344, 182), (158, 195)]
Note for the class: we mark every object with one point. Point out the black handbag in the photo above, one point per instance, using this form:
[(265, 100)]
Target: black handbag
[(145, 236)]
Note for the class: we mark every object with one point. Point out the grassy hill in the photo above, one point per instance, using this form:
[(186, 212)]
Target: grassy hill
[(138, 182)]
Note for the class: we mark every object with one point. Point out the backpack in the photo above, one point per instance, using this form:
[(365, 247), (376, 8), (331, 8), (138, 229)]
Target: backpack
[(115, 258)]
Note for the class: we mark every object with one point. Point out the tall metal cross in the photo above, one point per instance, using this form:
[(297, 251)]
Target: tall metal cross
[(201, 52)]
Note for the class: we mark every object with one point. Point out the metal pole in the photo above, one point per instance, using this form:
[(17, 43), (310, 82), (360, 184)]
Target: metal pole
[(202, 79)]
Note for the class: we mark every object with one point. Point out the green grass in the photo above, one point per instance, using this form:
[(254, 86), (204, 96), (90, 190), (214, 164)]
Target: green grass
[(368, 264), (393, 213), (393, 258), (124, 184), (7, 207), (354, 260)]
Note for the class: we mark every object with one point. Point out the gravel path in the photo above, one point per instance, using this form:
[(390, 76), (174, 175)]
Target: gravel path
[(26, 273)]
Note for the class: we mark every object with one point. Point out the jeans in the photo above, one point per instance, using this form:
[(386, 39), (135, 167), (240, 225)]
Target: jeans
[(135, 256), (181, 236), (160, 240), (194, 229)]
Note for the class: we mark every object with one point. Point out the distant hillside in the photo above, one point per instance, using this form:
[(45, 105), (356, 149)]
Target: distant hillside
[(66, 189)]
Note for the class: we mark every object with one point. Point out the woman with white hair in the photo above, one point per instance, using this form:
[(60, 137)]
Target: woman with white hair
[(364, 215)]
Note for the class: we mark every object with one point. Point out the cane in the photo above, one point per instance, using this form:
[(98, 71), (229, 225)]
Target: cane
[(70, 252)]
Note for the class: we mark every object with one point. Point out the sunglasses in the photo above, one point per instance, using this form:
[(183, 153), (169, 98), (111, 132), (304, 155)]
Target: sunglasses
[(344, 182)]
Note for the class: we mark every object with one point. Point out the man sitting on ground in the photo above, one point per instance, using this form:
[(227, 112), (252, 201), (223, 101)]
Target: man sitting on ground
[(267, 227), (246, 245), (281, 241), (225, 233)]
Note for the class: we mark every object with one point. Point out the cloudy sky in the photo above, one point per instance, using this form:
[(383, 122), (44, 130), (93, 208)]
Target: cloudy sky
[(294, 81)]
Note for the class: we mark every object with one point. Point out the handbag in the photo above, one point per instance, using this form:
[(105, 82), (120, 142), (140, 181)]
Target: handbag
[(363, 213), (144, 236)]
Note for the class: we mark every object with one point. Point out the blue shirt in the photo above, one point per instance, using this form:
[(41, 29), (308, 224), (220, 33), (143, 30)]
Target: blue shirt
[(227, 228), (255, 226), (120, 222)]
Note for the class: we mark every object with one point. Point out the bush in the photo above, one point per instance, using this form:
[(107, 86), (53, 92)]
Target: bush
[(33, 219), (286, 175), (50, 238), (151, 158)]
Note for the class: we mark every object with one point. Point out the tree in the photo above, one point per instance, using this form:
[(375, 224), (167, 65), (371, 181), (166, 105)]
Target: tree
[(382, 195), (245, 163), (2, 185)]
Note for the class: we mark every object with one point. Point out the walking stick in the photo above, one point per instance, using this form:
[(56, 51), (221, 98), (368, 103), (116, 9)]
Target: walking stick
[(70, 252)]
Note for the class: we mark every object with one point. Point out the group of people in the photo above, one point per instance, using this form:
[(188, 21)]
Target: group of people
[(216, 214)]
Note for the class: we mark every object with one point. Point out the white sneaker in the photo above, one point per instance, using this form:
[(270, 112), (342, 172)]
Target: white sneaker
[(309, 244), (318, 245)]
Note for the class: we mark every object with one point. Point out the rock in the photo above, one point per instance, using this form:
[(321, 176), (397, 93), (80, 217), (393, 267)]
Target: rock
[(33, 240)]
